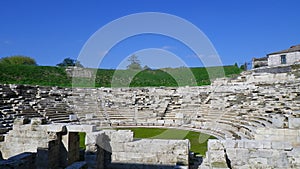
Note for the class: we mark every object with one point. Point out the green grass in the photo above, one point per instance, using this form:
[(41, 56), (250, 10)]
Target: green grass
[(56, 76), (82, 140), (199, 147), (34, 75)]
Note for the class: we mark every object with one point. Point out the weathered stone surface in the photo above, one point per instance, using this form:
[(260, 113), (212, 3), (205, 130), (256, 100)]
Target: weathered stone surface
[(81, 128), (260, 106)]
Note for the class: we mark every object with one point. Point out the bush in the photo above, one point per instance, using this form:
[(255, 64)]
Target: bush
[(18, 60)]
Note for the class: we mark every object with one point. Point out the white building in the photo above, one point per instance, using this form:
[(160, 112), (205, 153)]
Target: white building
[(284, 57)]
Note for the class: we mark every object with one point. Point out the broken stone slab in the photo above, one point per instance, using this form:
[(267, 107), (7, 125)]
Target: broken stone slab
[(56, 128), (81, 128), (294, 122), (214, 144), (37, 121), (21, 121), (91, 138)]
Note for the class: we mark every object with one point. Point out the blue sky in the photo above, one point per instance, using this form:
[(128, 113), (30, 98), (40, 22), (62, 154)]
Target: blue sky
[(52, 30)]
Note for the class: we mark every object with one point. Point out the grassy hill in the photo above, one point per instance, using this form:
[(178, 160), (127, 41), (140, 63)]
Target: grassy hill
[(57, 76)]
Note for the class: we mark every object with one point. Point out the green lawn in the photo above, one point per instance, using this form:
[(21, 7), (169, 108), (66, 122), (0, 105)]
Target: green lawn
[(57, 76), (198, 140), (82, 140)]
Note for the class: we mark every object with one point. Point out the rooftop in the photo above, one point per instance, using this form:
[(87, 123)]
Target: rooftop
[(295, 48)]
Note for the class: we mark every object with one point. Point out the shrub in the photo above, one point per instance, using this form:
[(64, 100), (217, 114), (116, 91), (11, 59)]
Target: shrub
[(18, 60)]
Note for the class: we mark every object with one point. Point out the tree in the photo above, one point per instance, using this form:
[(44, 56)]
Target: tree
[(146, 67), (69, 62), (18, 60), (135, 63), (244, 66)]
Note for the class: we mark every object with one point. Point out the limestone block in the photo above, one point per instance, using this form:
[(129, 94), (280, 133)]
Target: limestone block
[(179, 115), (240, 144), (55, 128), (89, 116), (117, 147), (294, 122), (216, 156), (131, 156), (214, 144), (166, 159), (38, 128), (73, 117), (21, 121), (282, 145), (161, 121), (278, 121), (230, 144), (37, 121), (266, 144), (231, 152), (258, 161), (290, 132), (280, 161), (91, 138), (169, 121), (251, 144), (122, 136), (241, 156), (261, 153), (81, 128)]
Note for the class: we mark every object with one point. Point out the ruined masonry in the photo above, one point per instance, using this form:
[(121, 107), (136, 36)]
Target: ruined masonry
[(254, 116)]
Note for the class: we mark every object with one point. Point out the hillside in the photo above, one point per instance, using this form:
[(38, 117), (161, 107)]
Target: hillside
[(57, 76)]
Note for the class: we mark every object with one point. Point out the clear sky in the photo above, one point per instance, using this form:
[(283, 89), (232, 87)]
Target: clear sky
[(52, 30)]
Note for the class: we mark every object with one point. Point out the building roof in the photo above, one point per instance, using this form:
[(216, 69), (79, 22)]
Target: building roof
[(260, 59), (295, 48)]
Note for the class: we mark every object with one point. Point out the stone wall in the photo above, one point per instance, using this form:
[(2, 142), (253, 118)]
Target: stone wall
[(259, 62), (25, 138), (248, 108), (52, 145), (291, 58), (284, 135), (229, 108), (273, 70), (239, 154), (33, 101), (119, 150)]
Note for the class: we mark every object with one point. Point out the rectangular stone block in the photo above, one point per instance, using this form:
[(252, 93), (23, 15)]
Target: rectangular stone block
[(251, 144), (230, 144), (55, 127), (262, 153), (294, 123), (282, 145), (121, 136), (91, 138), (258, 161), (214, 144), (81, 128), (266, 144), (117, 147), (21, 121)]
